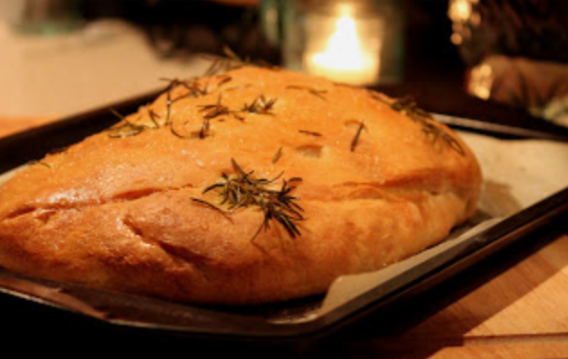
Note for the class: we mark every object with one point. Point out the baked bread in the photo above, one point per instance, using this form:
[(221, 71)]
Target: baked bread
[(250, 186)]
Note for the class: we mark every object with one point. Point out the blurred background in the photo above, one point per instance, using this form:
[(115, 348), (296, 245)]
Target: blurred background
[(502, 61)]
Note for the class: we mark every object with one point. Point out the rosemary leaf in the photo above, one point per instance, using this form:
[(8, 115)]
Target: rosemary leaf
[(311, 133), (430, 127), (311, 90), (35, 162), (224, 80), (212, 206), (168, 108), (177, 134), (153, 116), (215, 110), (277, 155), (261, 105), (355, 140)]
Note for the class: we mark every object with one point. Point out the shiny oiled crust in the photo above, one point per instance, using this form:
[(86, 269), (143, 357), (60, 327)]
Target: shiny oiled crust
[(125, 209)]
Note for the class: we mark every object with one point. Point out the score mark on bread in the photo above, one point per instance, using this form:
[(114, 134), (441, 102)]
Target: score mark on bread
[(251, 185)]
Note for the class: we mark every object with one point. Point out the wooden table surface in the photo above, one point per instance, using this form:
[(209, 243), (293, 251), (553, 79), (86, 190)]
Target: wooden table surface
[(515, 306)]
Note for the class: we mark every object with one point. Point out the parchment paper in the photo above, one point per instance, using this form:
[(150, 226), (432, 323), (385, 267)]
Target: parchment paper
[(517, 174)]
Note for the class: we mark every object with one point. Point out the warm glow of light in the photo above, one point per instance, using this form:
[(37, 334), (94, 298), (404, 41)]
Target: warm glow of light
[(481, 81), (460, 10), (344, 58), (456, 39), (344, 48)]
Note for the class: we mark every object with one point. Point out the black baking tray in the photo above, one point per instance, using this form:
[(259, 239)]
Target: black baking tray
[(254, 323)]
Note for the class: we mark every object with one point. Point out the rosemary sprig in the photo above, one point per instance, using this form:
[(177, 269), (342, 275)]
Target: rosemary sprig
[(215, 110), (239, 87), (224, 80), (168, 108), (260, 105), (434, 132), (116, 113), (196, 89), (153, 117), (231, 61), (36, 162), (242, 190), (178, 134), (205, 128), (311, 90), (277, 155), (355, 140), (125, 128), (407, 106), (311, 133), (193, 87)]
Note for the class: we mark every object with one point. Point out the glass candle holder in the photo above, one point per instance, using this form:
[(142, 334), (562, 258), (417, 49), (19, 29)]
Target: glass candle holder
[(344, 46), (43, 17), (357, 42)]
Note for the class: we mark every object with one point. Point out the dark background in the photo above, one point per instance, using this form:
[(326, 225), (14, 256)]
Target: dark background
[(434, 70)]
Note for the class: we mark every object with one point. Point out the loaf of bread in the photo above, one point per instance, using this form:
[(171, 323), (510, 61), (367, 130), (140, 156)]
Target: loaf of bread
[(252, 185)]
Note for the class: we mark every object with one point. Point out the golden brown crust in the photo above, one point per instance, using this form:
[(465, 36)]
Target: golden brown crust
[(121, 213)]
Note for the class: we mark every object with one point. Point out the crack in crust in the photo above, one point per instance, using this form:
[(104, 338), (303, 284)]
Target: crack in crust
[(128, 196)]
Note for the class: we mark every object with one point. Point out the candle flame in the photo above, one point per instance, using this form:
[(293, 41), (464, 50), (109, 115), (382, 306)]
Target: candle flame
[(343, 50), (343, 57)]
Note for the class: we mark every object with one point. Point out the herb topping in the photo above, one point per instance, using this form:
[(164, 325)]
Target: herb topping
[(243, 190), (311, 133), (261, 105), (311, 90), (277, 155), (355, 140), (407, 106)]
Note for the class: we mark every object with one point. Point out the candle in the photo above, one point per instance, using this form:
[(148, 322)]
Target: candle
[(348, 51)]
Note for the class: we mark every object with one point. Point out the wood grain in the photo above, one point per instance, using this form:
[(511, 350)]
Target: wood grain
[(519, 310)]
